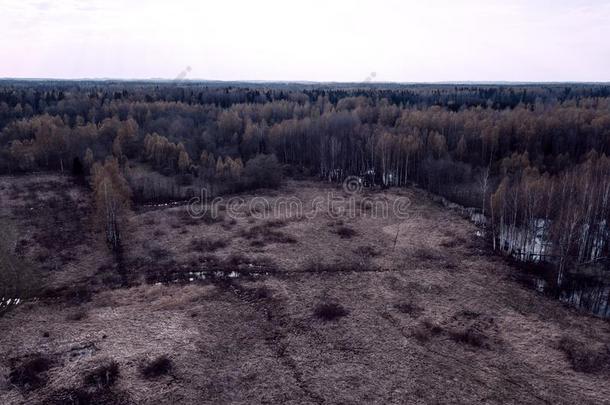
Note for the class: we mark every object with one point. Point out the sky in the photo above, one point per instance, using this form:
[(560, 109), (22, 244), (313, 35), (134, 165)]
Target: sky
[(329, 40)]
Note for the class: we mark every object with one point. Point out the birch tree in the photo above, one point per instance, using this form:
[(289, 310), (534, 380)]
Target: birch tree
[(112, 200)]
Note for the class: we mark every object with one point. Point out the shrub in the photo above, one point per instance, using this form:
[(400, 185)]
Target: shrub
[(161, 365), (345, 232), (258, 243), (158, 253), (426, 254), (236, 259), (186, 218), (426, 330), (368, 251), (31, 373), (208, 245), (409, 308), (330, 311), (76, 295), (150, 220), (104, 375), (584, 358), (77, 315), (470, 337), (449, 243), (263, 293), (266, 233)]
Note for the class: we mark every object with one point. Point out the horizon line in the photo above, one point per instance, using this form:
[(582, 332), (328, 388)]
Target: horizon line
[(309, 82)]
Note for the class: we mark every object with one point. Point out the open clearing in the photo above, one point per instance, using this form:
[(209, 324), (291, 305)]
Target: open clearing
[(330, 309)]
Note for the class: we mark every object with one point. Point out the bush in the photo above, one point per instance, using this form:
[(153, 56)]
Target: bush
[(330, 311), (367, 251), (31, 373), (262, 171), (77, 315), (425, 330), (264, 234), (584, 358), (409, 308), (104, 375), (345, 232), (161, 365), (262, 293), (470, 337), (208, 245)]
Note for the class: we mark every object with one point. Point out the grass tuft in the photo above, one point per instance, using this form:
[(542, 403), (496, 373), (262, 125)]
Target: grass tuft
[(159, 366), (330, 311), (31, 373)]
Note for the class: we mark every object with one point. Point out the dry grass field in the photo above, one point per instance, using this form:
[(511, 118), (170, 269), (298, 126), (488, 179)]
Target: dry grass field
[(267, 305)]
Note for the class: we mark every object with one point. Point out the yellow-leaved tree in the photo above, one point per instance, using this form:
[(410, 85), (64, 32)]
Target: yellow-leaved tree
[(112, 197)]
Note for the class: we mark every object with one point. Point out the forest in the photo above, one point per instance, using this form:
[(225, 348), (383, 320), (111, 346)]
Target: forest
[(533, 159)]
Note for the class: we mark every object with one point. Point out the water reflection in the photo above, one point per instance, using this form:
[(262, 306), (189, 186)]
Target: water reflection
[(6, 303), (589, 293), (586, 287)]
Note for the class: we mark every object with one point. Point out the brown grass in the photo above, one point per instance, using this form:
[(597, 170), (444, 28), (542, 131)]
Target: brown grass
[(395, 326), (205, 245)]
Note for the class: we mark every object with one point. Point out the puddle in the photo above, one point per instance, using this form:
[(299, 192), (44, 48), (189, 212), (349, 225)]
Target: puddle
[(155, 206), (590, 293), (213, 276), (85, 350), (6, 303), (247, 271), (588, 290), (207, 275)]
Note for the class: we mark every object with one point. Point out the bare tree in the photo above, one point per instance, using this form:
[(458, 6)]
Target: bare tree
[(112, 200), (483, 180)]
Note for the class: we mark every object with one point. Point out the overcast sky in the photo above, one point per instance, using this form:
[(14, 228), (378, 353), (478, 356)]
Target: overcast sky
[(402, 40)]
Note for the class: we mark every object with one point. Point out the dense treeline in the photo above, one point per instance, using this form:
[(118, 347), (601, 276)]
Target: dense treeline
[(532, 157)]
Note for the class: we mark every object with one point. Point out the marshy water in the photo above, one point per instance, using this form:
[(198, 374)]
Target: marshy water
[(6, 303), (588, 292), (586, 287)]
